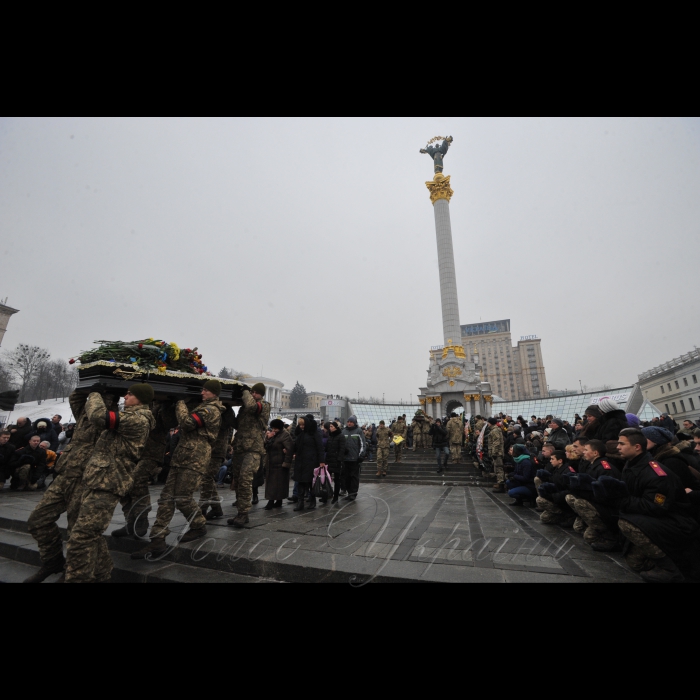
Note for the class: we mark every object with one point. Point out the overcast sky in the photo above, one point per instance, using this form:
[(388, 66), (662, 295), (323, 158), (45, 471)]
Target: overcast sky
[(305, 248)]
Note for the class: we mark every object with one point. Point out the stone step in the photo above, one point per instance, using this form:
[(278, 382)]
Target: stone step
[(19, 559)]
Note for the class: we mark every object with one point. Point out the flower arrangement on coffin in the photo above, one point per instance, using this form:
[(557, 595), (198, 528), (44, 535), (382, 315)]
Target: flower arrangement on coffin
[(149, 354)]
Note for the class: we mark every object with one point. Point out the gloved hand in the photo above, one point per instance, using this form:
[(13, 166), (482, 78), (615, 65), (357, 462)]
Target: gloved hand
[(548, 490), (581, 482), (607, 488), (543, 475), (27, 459), (99, 388)]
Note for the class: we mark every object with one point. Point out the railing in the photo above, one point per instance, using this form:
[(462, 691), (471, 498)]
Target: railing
[(692, 356)]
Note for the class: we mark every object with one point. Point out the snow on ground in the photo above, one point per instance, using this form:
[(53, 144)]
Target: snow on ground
[(33, 410)]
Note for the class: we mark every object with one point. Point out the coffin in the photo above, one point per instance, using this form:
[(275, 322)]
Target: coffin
[(178, 385)]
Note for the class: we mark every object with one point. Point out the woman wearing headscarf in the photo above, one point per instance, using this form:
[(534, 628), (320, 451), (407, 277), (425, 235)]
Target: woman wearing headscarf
[(280, 449), (308, 455)]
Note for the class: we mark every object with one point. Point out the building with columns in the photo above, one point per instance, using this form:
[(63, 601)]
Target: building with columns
[(5, 313)]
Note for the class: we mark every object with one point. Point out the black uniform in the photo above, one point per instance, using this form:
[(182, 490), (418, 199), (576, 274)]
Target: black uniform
[(607, 510), (658, 507)]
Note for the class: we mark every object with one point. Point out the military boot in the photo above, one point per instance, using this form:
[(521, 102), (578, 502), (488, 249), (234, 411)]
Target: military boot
[(52, 566), (215, 512), (126, 531), (204, 508), (664, 571), (192, 535), (499, 488), (154, 549), (240, 520)]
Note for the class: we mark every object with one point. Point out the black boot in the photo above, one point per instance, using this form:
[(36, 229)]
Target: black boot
[(255, 500), (278, 504), (302, 493), (52, 566), (270, 505), (312, 502), (215, 512)]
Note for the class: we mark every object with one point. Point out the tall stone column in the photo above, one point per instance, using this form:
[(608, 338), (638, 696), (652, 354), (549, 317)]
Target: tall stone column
[(440, 195)]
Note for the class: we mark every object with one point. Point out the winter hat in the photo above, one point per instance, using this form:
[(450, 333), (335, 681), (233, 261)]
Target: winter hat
[(608, 405), (276, 424), (41, 425), (659, 436), (632, 420), (213, 385), (594, 410), (519, 450), (259, 388), (143, 392), (558, 421), (352, 419)]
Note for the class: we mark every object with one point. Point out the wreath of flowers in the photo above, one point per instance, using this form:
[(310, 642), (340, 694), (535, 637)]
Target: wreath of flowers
[(150, 354)]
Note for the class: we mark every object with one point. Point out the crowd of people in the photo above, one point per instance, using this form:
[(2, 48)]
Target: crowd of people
[(29, 451), (625, 485)]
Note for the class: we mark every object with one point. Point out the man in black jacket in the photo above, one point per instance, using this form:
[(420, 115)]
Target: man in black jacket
[(29, 466), (599, 516), (558, 437), (7, 451), (653, 513), (20, 432), (553, 490)]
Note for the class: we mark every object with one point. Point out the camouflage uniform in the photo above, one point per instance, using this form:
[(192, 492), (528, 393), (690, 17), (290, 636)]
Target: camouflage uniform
[(551, 514), (496, 453), (425, 429), (136, 505), (107, 477), (384, 436), (249, 448), (65, 493), (454, 433), (417, 426), (400, 431), (208, 493), (596, 530), (199, 430)]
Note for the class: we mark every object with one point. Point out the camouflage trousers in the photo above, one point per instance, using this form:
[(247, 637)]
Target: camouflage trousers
[(136, 505), (88, 559), (551, 514), (642, 551), (596, 530), (63, 496), (579, 525), (398, 449), (178, 493), (382, 459), (208, 492), (418, 441), (499, 470), (245, 467), (455, 451)]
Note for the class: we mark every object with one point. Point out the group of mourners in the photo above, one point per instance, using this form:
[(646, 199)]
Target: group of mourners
[(624, 485)]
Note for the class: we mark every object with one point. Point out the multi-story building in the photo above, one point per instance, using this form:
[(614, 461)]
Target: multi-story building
[(315, 398), (675, 386), (516, 373), (274, 393), (5, 313)]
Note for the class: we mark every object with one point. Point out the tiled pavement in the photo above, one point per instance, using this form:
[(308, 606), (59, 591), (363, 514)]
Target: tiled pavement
[(392, 533)]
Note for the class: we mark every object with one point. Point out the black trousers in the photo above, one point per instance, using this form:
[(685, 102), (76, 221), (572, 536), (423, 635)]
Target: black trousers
[(337, 483), (351, 477)]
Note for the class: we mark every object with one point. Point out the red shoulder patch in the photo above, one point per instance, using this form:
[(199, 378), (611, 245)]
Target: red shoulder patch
[(605, 465), (657, 468), (572, 470), (259, 407)]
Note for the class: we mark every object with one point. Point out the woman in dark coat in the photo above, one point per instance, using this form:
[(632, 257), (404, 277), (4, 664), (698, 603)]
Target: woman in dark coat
[(308, 455), (335, 449), (280, 449)]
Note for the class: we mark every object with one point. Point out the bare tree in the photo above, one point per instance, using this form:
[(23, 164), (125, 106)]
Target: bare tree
[(24, 362)]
